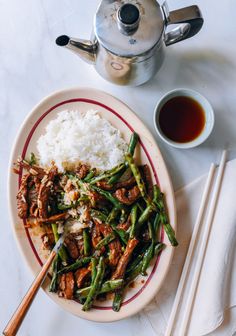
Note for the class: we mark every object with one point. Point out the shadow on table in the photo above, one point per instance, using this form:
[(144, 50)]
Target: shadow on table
[(198, 68)]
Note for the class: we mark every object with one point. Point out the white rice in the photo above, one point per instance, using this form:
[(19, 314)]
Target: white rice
[(81, 137)]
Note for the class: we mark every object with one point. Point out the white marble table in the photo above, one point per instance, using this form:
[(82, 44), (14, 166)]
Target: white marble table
[(32, 66)]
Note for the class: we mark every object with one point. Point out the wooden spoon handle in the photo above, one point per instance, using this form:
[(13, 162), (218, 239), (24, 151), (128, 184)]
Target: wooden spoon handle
[(18, 316)]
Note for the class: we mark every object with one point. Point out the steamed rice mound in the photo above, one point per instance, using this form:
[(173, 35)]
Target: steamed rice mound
[(81, 137)]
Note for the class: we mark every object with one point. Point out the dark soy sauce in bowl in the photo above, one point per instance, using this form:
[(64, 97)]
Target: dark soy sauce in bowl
[(182, 119)]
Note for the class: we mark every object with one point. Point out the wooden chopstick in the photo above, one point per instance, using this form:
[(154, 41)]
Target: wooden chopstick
[(17, 318), (192, 244), (202, 250)]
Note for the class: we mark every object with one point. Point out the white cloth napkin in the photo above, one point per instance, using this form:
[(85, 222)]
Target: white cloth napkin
[(214, 310)]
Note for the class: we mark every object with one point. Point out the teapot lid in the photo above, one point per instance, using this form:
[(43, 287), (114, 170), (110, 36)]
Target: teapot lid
[(129, 28)]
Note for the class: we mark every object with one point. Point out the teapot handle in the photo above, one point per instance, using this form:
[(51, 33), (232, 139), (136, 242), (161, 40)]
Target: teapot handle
[(190, 19)]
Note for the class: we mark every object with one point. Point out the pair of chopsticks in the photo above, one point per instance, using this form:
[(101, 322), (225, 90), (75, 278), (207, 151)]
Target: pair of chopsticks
[(202, 250), (17, 318)]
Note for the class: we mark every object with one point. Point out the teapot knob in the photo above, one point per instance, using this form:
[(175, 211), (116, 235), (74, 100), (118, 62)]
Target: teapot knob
[(128, 17)]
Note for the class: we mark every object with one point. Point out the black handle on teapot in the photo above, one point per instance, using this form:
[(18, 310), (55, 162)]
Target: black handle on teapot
[(190, 20)]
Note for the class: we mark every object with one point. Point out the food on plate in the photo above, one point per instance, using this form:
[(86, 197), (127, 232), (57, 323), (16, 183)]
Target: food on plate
[(84, 136), (110, 214)]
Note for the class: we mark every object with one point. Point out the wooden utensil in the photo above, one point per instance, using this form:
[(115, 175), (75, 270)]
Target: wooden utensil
[(191, 248), (203, 246), (20, 313)]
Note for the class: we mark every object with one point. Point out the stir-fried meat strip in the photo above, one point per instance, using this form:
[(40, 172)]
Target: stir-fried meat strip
[(105, 185), (53, 218), (86, 215), (81, 275), (126, 184), (66, 285), (127, 196), (114, 246), (125, 225), (95, 197), (145, 170), (82, 171), (68, 186), (63, 181), (22, 196), (96, 236), (44, 192), (34, 211), (120, 270), (32, 169), (33, 196), (123, 184), (37, 183), (48, 240), (72, 246)]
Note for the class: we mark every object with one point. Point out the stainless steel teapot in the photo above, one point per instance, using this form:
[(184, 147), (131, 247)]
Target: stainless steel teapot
[(128, 38)]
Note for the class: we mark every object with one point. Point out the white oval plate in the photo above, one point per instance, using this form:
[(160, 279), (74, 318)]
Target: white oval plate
[(126, 121)]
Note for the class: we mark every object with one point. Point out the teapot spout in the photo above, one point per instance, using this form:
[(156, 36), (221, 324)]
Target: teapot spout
[(84, 48)]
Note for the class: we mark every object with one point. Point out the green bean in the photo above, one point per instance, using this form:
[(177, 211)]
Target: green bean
[(139, 180), (115, 178), (134, 263), (81, 199), (73, 267), (112, 216), (96, 286), (123, 216), (146, 214), (164, 220), (106, 240), (107, 174), (156, 193), (61, 206), (90, 175), (149, 210), (132, 143), (81, 184), (156, 227), (62, 252), (94, 269), (55, 269), (117, 300), (171, 234), (33, 159), (147, 258), (134, 214), (86, 239), (158, 248), (71, 175), (123, 235), (151, 231), (98, 215), (109, 197), (107, 286)]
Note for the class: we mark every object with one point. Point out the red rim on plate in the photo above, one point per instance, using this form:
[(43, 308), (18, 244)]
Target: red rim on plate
[(123, 118), (25, 147)]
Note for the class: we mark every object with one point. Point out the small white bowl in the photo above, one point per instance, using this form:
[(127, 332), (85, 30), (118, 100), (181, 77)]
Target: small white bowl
[(206, 106)]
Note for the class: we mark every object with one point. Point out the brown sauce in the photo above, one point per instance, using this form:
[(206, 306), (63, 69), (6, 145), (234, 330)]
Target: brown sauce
[(182, 119)]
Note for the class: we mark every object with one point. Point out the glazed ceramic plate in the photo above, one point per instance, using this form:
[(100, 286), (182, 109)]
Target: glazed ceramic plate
[(120, 116)]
